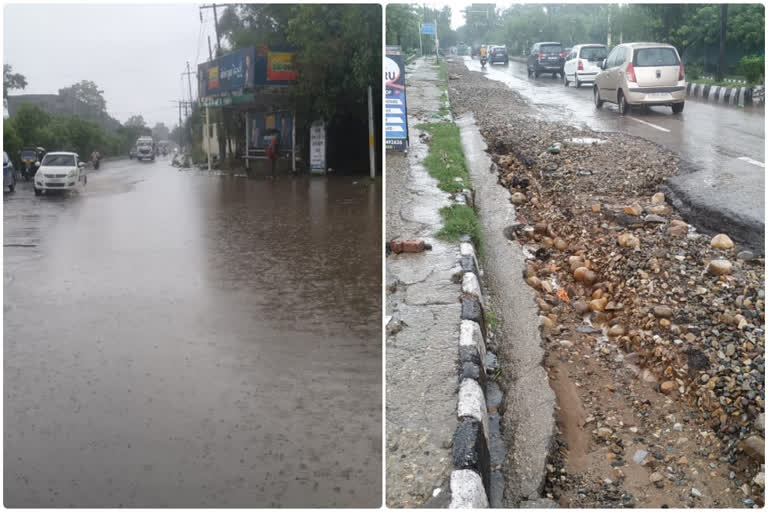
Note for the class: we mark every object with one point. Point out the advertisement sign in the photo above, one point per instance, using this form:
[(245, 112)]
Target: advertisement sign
[(281, 66), (428, 29), (395, 112), (227, 73), (259, 126), (245, 69), (317, 148)]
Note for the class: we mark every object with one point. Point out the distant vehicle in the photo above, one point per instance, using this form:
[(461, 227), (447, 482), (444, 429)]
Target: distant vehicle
[(546, 58), (498, 54), (582, 64), (641, 74), (9, 174), (145, 148), (132, 153), (30, 159), (60, 171)]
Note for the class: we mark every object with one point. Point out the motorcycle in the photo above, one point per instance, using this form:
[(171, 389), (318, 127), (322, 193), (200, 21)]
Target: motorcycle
[(483, 61), (96, 160)]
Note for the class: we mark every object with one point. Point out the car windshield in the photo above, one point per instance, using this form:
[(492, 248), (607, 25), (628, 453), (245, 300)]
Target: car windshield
[(59, 160), (551, 48), (29, 154), (593, 53), (655, 57)]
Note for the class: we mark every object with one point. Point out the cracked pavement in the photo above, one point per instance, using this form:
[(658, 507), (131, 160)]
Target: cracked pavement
[(423, 303)]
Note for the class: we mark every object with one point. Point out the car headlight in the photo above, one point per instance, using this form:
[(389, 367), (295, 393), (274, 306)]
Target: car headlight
[(72, 173)]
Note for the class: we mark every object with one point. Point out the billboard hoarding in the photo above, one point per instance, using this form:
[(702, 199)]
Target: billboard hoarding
[(428, 29), (395, 108)]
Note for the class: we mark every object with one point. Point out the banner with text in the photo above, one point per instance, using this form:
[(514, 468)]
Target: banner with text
[(395, 112)]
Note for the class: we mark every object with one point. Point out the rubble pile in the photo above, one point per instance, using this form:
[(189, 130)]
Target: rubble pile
[(616, 268)]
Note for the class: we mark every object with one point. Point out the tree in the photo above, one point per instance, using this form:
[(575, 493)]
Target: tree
[(86, 95), (160, 132), (28, 121), (136, 121), (12, 80), (12, 143), (402, 26)]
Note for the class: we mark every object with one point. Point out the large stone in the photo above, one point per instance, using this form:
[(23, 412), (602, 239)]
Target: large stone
[(616, 330), (663, 312), (628, 240), (634, 209), (658, 198), (580, 307), (658, 209), (668, 386), (518, 198), (547, 322), (720, 267), (560, 244), (676, 228), (598, 304), (754, 446), (721, 241)]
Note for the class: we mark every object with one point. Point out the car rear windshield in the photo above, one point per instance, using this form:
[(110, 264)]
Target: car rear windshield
[(58, 160), (645, 57), (28, 154), (500, 50), (593, 53), (551, 48)]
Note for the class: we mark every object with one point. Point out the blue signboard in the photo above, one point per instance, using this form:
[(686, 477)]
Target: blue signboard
[(244, 69), (428, 29), (395, 112)]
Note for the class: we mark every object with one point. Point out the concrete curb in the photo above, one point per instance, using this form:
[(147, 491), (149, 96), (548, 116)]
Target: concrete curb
[(737, 96)]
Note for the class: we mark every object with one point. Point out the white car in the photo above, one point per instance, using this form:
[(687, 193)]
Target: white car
[(60, 171), (582, 64)]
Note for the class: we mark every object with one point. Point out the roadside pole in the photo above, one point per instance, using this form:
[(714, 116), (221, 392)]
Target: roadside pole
[(371, 149), (208, 134), (437, 45), (421, 49)]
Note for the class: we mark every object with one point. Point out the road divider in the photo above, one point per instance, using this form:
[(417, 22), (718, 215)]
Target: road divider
[(737, 96)]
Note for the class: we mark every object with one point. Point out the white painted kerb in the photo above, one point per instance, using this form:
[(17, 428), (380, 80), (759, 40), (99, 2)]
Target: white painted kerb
[(472, 336), (467, 490), (471, 285), (472, 403)]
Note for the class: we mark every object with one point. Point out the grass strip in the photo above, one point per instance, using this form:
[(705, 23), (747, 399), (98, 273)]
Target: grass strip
[(459, 219), (445, 160)]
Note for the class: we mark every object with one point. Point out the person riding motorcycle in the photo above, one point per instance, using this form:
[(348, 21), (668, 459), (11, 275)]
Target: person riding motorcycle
[(483, 55)]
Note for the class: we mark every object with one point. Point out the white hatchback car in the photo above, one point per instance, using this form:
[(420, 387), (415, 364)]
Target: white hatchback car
[(60, 171), (582, 64)]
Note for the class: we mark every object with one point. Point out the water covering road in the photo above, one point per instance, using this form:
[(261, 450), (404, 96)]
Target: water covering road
[(188, 340)]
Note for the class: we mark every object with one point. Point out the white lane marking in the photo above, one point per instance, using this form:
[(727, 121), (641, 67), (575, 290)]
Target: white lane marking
[(753, 162), (649, 124)]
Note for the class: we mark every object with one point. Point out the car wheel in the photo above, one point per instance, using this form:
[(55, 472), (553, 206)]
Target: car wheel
[(623, 105), (38, 191), (85, 180), (565, 80), (596, 93), (677, 107), (578, 82)]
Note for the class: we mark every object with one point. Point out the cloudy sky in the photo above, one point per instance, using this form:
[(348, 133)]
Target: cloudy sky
[(135, 53)]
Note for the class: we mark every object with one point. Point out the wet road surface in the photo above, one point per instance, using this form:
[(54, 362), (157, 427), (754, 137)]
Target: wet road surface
[(724, 145), (188, 340)]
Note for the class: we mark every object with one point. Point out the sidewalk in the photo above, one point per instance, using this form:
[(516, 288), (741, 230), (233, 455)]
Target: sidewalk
[(423, 302)]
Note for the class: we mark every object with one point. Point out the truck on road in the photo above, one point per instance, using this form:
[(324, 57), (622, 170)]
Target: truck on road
[(145, 148)]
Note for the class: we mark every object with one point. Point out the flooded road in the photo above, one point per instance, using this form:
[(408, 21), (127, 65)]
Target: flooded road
[(177, 339)]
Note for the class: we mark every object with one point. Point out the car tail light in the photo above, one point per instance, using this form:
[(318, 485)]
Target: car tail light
[(681, 76), (631, 72), (581, 66), (562, 54), (540, 55)]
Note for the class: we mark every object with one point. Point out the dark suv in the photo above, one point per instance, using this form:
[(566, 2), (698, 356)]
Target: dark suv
[(499, 54), (546, 58)]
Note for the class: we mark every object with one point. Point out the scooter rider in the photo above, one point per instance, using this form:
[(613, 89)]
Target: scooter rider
[(483, 55), (95, 159)]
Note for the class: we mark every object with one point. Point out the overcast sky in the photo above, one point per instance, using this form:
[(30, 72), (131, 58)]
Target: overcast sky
[(135, 53)]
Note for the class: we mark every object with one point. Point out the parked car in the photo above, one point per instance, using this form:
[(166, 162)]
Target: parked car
[(60, 171), (641, 74), (546, 58), (9, 173), (582, 63), (498, 54)]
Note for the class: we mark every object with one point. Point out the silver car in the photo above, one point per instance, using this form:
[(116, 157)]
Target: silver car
[(641, 74)]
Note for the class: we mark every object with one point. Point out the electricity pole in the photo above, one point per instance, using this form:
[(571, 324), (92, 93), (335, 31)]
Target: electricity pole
[(215, 23)]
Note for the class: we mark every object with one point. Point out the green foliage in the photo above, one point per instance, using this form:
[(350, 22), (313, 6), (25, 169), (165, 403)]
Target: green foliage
[(403, 26), (692, 71), (12, 80), (445, 160), (87, 93), (458, 220), (753, 68), (12, 143)]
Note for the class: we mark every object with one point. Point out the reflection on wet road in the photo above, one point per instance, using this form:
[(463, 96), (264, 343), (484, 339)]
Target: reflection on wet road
[(181, 339), (708, 135)]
